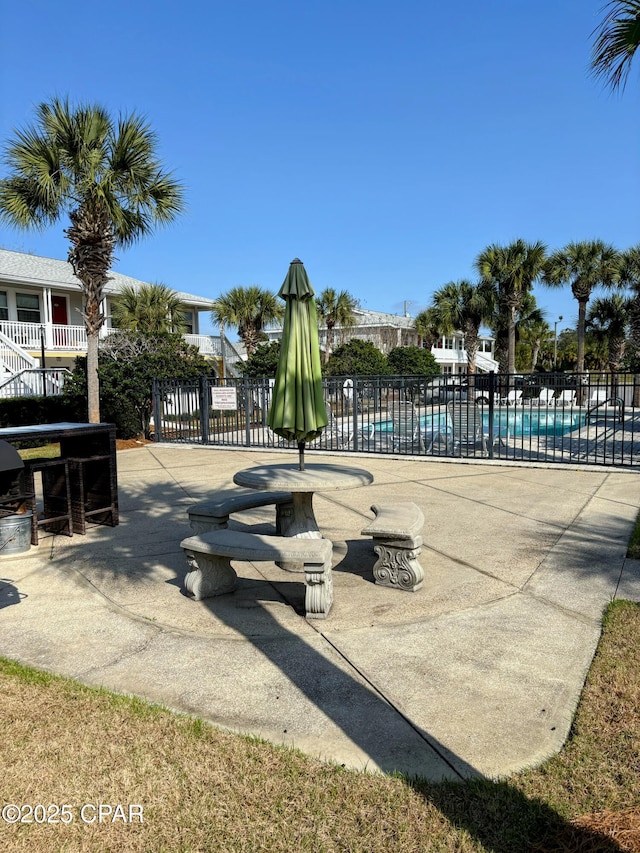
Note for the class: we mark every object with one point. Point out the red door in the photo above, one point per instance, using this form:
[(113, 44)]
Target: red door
[(59, 318)]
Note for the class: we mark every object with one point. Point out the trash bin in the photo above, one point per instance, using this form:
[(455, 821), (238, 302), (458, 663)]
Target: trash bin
[(15, 533)]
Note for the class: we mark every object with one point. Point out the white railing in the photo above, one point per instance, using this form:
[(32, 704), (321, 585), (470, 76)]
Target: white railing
[(56, 337), (207, 344), (12, 357), (74, 338), (68, 338), (35, 383)]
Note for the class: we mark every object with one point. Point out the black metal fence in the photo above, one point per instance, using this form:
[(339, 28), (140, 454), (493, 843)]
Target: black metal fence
[(586, 419)]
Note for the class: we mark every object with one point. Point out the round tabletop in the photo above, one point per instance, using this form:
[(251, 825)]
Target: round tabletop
[(314, 478)]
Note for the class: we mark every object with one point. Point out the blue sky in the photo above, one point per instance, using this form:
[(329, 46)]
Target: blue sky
[(385, 144)]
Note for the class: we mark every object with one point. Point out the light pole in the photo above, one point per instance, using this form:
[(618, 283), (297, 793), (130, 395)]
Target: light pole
[(43, 375), (555, 343)]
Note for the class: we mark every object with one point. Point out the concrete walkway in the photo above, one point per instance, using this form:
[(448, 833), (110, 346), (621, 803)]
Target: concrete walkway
[(479, 672)]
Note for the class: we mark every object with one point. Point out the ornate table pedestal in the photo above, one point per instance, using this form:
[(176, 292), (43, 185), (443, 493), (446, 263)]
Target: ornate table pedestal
[(298, 519)]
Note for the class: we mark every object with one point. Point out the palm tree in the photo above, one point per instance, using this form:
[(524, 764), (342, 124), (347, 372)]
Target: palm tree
[(584, 266), (463, 306), (608, 322), (630, 278), (153, 309), (249, 309), (537, 335), (617, 39), (106, 177), (426, 325), (335, 309), (511, 270)]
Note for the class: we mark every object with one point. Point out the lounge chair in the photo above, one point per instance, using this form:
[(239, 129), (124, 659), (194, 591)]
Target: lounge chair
[(598, 397), (513, 397), (545, 397), (469, 431), (566, 398), (337, 433), (407, 434)]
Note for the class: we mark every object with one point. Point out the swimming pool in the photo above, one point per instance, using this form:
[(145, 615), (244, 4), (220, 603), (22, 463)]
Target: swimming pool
[(526, 423)]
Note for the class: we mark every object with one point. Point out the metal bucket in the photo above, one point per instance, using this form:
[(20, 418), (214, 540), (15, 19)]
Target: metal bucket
[(15, 533)]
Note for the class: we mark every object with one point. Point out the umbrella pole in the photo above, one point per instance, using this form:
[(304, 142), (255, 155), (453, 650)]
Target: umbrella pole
[(301, 454)]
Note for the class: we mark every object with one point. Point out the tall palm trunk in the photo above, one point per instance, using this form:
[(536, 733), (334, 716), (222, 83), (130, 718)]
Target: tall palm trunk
[(328, 341), (582, 321), (511, 346), (91, 256), (535, 353), (471, 340)]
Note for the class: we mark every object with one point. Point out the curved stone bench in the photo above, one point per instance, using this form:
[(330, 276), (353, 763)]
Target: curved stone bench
[(397, 540), (214, 515), (210, 554)]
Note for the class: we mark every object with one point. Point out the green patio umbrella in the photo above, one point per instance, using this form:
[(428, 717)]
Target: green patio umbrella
[(297, 410)]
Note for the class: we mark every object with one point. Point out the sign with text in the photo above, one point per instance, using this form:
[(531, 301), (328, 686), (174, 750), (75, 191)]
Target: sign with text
[(224, 398)]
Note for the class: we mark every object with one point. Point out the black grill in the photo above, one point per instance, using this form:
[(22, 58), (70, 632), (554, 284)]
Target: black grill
[(12, 479)]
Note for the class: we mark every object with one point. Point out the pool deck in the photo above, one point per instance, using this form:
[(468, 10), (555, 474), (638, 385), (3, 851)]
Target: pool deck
[(477, 673)]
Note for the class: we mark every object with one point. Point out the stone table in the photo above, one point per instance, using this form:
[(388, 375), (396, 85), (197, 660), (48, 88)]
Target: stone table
[(301, 521)]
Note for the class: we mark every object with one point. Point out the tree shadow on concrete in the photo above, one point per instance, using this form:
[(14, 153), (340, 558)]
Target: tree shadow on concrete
[(495, 814)]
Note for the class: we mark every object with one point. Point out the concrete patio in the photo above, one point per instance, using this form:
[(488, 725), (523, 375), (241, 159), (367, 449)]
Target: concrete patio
[(478, 672)]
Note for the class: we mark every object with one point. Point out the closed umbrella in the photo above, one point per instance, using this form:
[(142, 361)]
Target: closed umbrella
[(297, 410)]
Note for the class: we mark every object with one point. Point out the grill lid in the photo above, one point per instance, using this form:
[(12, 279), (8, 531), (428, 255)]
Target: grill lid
[(10, 459)]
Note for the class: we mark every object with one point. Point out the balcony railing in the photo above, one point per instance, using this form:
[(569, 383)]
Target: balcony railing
[(31, 336)]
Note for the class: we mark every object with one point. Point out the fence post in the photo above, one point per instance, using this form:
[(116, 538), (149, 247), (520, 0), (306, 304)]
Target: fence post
[(492, 386), (157, 411), (204, 409), (247, 412), (355, 412)]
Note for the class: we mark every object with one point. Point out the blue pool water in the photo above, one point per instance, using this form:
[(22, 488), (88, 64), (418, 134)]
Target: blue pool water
[(517, 423)]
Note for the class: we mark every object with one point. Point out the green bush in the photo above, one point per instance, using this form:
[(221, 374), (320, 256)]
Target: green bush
[(357, 358), (22, 411), (412, 361), (128, 363)]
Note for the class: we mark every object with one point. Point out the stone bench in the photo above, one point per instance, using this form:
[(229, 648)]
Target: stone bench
[(210, 554), (396, 532), (214, 515)]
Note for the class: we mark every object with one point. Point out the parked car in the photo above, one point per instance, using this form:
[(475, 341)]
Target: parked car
[(444, 389)]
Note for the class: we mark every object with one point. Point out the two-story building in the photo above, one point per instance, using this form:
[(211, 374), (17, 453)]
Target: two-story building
[(387, 331), (41, 315)]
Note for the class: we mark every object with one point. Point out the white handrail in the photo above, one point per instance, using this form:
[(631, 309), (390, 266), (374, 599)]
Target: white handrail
[(12, 357)]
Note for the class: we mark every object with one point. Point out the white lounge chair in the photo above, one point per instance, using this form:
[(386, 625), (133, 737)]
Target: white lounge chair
[(407, 434), (545, 397), (598, 397), (566, 398), (513, 397), (468, 430), (337, 433)]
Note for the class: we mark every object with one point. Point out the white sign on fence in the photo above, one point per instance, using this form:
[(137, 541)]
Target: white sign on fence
[(224, 398)]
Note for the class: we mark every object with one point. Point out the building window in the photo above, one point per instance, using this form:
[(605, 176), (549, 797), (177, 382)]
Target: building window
[(449, 343), (4, 308), (28, 306), (188, 322)]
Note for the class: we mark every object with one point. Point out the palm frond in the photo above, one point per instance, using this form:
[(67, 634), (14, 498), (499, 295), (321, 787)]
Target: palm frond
[(616, 41)]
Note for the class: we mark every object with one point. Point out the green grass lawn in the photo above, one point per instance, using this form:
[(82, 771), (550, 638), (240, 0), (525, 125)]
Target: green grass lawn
[(45, 451), (633, 550), (202, 789)]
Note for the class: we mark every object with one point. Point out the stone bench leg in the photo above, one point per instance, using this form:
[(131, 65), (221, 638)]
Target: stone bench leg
[(397, 565), (210, 575), (318, 598)]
